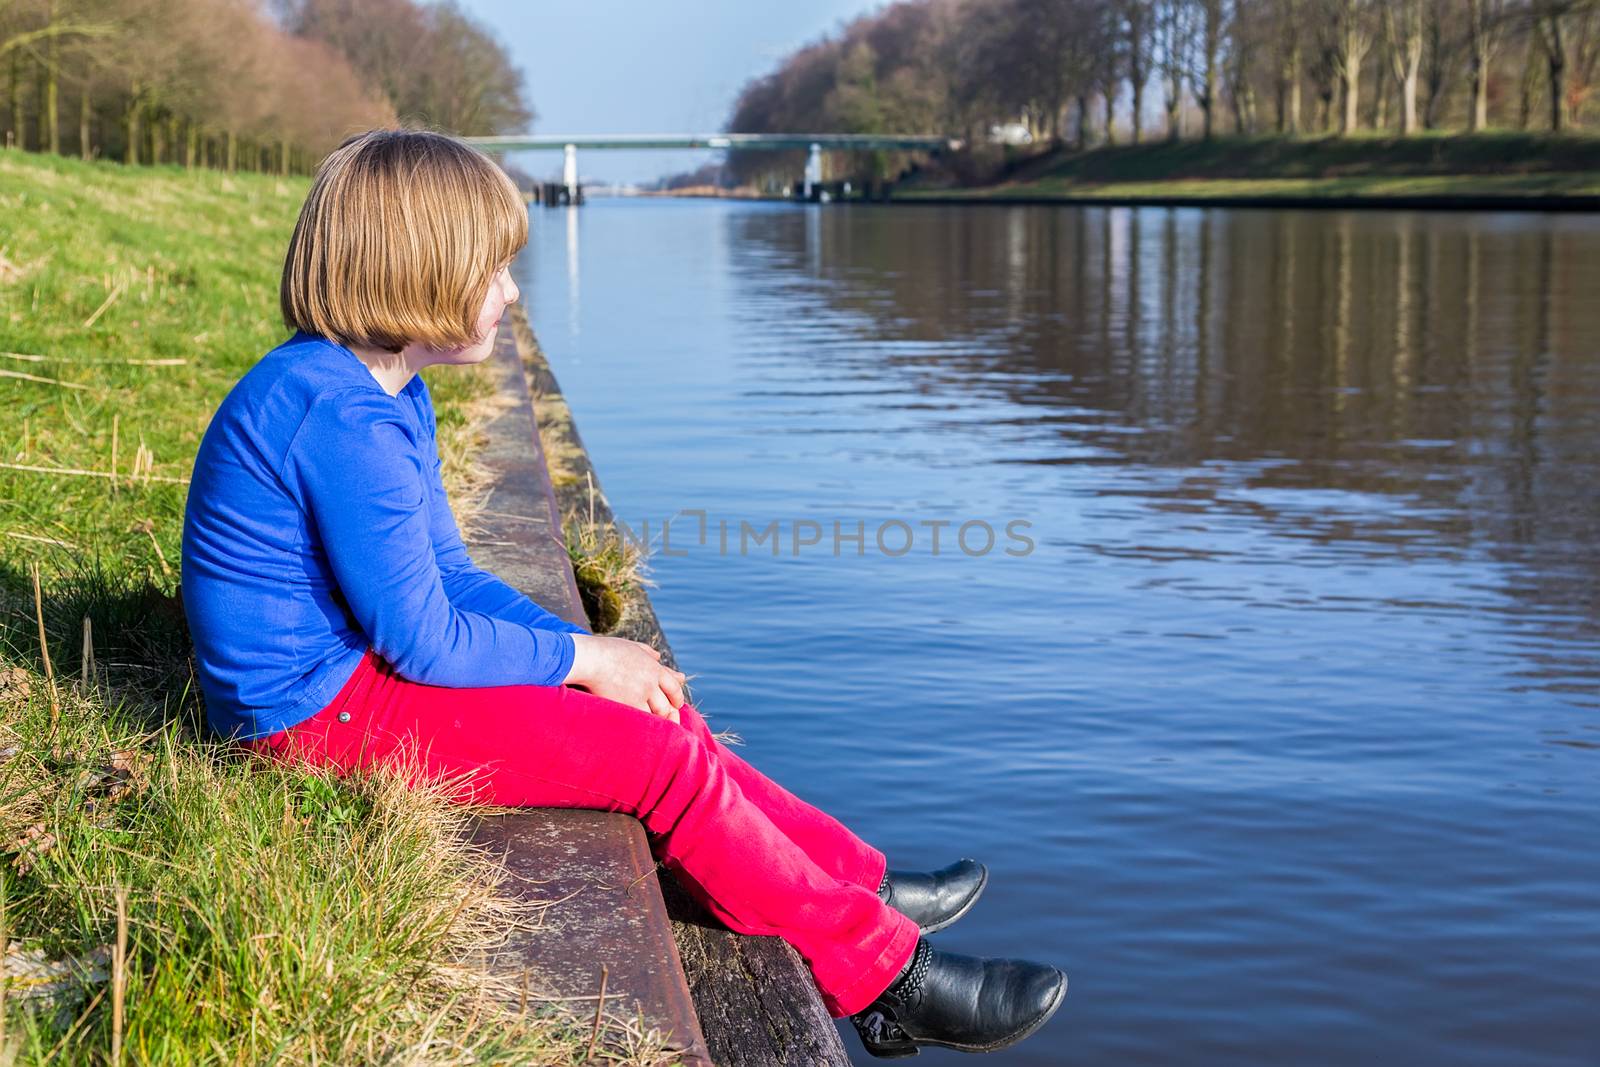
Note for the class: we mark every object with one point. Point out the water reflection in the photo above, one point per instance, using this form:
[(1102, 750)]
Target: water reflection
[(1437, 366), (1283, 740)]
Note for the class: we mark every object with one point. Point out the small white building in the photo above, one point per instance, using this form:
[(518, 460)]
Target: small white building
[(1010, 133)]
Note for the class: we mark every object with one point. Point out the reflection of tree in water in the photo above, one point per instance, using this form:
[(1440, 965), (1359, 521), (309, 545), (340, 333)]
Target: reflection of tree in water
[(1441, 363)]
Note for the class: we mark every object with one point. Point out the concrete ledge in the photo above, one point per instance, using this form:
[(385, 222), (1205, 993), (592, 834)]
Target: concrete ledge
[(598, 865)]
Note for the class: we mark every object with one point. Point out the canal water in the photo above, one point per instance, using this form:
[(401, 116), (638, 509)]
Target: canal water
[(1257, 654)]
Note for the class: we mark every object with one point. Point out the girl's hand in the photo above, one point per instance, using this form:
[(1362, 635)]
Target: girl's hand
[(628, 672)]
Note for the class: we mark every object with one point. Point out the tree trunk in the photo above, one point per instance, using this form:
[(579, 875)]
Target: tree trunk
[(192, 147), (1403, 35), (1478, 114), (52, 98), (1480, 43), (19, 132), (1083, 122), (1380, 101), (1138, 110), (1557, 95), (1552, 37), (232, 152), (1350, 86), (1350, 51), (1288, 99), (1527, 85), (85, 147), (134, 133), (41, 118), (1111, 118)]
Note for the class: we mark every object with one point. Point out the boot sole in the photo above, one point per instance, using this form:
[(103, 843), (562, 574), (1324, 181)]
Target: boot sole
[(896, 1052), (973, 899)]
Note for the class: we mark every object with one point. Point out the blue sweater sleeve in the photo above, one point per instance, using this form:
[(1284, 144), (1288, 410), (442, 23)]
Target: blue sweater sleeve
[(362, 478), (468, 585)]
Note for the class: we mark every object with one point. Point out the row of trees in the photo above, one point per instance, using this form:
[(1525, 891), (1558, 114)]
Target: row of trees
[(233, 83), (1077, 69)]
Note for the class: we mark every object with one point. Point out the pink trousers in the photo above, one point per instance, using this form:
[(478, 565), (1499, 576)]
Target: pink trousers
[(760, 859)]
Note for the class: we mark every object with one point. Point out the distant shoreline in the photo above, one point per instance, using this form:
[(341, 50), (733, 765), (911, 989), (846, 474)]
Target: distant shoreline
[(1499, 171), (1183, 195), (1231, 195)]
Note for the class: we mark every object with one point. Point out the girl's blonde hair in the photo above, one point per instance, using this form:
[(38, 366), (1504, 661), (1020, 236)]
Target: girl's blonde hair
[(398, 241)]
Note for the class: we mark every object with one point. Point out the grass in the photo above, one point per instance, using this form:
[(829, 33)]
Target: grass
[(268, 913), (611, 569), (608, 567), (1441, 166)]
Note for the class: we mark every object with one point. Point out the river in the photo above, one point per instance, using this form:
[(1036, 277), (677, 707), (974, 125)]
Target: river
[(1257, 656)]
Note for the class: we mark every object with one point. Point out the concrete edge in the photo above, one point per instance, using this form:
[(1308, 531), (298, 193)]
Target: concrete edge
[(600, 859)]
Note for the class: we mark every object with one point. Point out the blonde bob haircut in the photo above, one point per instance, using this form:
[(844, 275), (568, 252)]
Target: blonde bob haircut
[(398, 241)]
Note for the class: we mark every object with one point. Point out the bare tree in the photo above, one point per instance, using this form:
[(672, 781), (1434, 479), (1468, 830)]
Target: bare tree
[(1442, 42), (1051, 63), (1351, 37), (1212, 14), (1286, 16), (1552, 21), (1137, 17), (1583, 56), (1249, 40), (1486, 25), (39, 33), (1529, 80), (1402, 21), (435, 64), (1173, 23)]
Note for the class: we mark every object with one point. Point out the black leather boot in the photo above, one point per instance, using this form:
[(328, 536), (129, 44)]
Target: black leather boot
[(938, 898), (960, 1002)]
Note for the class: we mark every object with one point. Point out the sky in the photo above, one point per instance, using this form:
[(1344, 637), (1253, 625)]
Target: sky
[(637, 66)]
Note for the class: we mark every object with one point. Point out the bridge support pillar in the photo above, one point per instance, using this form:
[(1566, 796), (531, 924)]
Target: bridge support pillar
[(569, 173), (813, 169)]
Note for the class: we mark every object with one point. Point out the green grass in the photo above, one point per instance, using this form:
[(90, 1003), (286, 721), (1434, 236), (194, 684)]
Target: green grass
[(272, 913), (1368, 166)]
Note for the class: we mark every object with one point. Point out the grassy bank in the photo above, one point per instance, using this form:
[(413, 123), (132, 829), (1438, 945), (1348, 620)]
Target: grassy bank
[(1441, 167), (265, 913)]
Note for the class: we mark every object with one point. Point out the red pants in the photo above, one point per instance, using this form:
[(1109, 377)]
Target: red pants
[(760, 859)]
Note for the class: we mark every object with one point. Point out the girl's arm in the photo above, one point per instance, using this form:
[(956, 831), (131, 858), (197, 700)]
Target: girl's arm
[(360, 474)]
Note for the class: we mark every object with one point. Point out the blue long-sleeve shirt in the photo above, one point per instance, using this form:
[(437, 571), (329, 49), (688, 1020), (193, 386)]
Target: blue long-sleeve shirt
[(317, 526)]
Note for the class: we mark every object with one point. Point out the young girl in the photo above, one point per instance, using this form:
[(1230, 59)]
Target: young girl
[(337, 617)]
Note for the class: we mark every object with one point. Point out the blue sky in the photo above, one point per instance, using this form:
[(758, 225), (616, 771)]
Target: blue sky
[(633, 66)]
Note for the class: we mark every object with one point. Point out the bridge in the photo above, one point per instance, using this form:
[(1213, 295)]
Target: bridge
[(814, 143)]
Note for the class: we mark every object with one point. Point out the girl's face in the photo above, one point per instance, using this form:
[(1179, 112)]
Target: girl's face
[(502, 291)]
